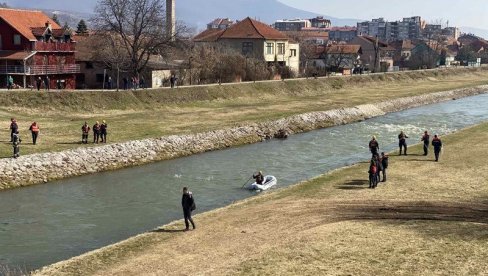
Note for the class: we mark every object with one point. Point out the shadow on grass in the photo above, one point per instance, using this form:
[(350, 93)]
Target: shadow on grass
[(356, 184)]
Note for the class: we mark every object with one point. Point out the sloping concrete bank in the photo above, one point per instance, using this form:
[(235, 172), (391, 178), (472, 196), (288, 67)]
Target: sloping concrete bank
[(38, 168)]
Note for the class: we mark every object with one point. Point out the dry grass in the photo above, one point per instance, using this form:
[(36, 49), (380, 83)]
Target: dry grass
[(155, 113), (429, 219)]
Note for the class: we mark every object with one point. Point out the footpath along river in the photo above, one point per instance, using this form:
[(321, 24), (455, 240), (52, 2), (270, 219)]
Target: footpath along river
[(43, 224)]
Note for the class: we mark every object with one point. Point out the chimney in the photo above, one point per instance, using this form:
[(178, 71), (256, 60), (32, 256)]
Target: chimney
[(171, 19)]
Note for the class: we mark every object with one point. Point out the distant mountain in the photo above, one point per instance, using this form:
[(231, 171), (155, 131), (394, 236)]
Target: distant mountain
[(192, 12), (478, 32)]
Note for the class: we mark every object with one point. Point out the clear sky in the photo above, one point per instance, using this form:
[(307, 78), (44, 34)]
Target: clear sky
[(460, 13)]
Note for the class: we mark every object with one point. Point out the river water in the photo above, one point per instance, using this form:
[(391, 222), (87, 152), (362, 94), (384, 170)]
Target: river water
[(47, 223)]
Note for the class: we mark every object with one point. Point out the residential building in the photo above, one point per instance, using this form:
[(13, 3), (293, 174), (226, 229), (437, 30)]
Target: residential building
[(292, 24), (318, 36), (320, 22), (376, 55), (408, 28), (254, 39), (339, 58), (403, 52), (31, 46), (342, 34), (220, 24)]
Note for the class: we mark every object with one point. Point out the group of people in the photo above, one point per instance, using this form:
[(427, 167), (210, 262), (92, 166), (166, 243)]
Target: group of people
[(15, 135), (379, 163), (99, 132), (133, 83)]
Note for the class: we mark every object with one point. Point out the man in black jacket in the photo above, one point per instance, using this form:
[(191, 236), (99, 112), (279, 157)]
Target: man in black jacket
[(188, 204), (437, 144), (384, 163)]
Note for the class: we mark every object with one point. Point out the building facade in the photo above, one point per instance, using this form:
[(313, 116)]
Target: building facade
[(320, 22), (220, 24), (408, 28), (253, 39), (292, 24), (33, 46), (342, 34)]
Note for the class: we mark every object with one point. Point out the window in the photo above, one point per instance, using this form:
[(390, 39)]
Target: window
[(281, 48), (269, 48), (247, 48), (16, 39), (89, 65), (293, 52)]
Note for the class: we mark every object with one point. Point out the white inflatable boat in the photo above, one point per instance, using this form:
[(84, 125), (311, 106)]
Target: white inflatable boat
[(269, 181)]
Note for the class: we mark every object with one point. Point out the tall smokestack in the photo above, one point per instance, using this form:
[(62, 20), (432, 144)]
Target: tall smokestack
[(171, 18)]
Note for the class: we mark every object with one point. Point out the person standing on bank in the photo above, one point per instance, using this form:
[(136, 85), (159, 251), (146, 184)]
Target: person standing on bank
[(13, 128), (426, 140), (85, 130), (384, 162), (47, 83), (38, 83), (34, 128), (402, 142), (374, 147), (188, 204), (16, 144), (437, 144), (96, 132), (103, 131)]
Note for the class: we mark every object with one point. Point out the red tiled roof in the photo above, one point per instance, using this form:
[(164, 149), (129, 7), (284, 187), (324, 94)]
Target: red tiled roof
[(210, 35), (23, 21), (14, 55), (250, 28), (344, 49)]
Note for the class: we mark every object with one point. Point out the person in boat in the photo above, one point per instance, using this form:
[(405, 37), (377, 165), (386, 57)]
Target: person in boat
[(188, 204), (259, 178), (402, 142), (374, 147)]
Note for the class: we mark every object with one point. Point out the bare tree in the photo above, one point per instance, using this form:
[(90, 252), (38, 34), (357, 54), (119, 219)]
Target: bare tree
[(140, 24), (110, 51)]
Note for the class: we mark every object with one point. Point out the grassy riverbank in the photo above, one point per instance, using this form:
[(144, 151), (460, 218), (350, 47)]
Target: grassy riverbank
[(155, 113), (430, 218)]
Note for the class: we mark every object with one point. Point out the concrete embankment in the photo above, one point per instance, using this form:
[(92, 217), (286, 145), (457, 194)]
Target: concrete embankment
[(38, 168)]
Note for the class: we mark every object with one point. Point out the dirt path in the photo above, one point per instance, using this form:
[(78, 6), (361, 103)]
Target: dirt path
[(429, 218)]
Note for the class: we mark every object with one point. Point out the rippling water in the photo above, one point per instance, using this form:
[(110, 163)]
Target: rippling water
[(43, 224)]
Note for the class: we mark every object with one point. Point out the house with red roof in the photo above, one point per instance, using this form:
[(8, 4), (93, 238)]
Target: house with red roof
[(254, 39), (33, 46)]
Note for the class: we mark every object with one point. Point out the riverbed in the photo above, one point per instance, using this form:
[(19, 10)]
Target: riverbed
[(43, 224)]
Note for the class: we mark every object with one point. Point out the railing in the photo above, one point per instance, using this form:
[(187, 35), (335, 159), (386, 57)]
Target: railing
[(54, 46), (40, 69)]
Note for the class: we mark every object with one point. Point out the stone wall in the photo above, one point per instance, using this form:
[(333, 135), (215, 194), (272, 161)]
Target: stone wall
[(44, 167)]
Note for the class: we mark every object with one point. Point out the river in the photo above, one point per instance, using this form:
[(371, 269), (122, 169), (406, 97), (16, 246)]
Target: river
[(43, 224)]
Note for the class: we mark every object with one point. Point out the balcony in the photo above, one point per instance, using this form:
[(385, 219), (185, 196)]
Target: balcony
[(53, 46), (40, 69)]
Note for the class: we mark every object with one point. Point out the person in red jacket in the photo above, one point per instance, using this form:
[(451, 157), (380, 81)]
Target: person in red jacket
[(34, 128)]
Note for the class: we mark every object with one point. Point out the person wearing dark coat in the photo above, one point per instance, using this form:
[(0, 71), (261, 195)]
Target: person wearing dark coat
[(13, 128), (103, 131), (426, 140), (402, 142), (85, 130), (437, 144), (96, 132), (384, 163), (259, 178), (16, 144), (374, 147), (188, 204), (379, 167)]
